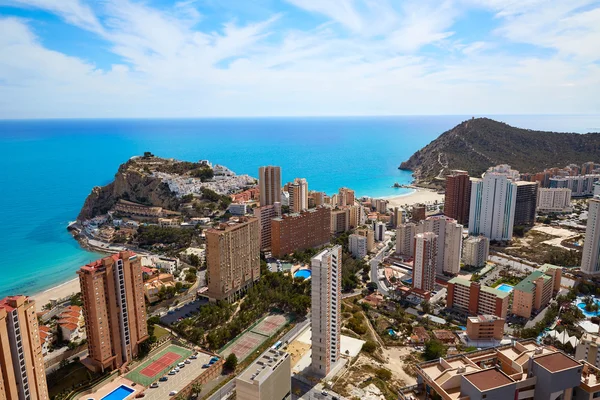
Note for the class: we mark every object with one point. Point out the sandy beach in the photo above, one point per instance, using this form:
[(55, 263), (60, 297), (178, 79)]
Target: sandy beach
[(419, 195), (58, 292)]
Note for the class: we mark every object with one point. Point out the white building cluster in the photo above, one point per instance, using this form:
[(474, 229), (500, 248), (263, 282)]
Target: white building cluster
[(225, 183)]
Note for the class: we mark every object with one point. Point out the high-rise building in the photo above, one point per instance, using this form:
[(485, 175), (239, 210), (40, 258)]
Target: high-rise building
[(535, 292), (380, 205), (232, 258), (397, 217), (587, 168), (425, 261), (379, 229), (526, 203), (264, 215), (318, 198), (597, 189), (554, 200), (326, 318), (298, 191), (405, 239), (340, 220), (301, 231), (357, 245), (476, 299), (112, 290), (22, 374), (345, 197), (493, 201), (268, 378), (476, 251), (370, 235), (419, 212), (458, 196), (356, 215), (269, 183), (590, 258), (449, 242)]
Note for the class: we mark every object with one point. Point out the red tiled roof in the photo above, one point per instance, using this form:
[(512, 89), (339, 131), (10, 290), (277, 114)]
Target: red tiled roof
[(69, 320), (71, 327), (70, 314)]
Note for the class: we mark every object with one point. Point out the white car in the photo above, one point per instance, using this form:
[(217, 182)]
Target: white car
[(172, 392)]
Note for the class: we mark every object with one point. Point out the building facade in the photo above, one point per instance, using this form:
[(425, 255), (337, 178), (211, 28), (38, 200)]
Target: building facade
[(232, 258), (370, 235), (449, 242), (358, 246), (581, 186), (493, 202), (587, 349), (114, 309), (269, 183), (473, 298), (535, 292), (379, 230), (419, 212), (264, 215), (554, 200), (590, 258), (476, 251), (340, 220), (298, 190), (526, 203), (458, 196), (267, 378), (22, 373), (405, 240), (345, 197), (300, 231), (425, 262), (485, 327), (326, 318)]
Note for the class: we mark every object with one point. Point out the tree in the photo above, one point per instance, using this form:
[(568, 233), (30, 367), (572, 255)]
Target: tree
[(384, 374), (194, 260), (231, 362), (369, 347), (426, 307), (196, 388), (434, 349), (372, 286)]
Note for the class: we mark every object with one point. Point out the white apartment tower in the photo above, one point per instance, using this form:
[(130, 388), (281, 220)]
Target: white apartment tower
[(405, 239), (449, 241), (476, 251), (493, 201), (269, 184), (590, 259), (358, 245), (326, 295), (425, 261)]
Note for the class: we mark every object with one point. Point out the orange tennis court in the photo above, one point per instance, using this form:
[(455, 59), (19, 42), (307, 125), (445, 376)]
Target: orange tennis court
[(159, 365)]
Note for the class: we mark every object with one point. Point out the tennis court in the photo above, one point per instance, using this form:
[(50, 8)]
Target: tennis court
[(243, 346), (270, 325), (158, 365)]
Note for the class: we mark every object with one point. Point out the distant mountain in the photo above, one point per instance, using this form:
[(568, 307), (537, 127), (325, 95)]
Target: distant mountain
[(479, 143)]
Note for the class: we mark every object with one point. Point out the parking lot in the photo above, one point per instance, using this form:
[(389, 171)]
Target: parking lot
[(183, 311), (180, 380)]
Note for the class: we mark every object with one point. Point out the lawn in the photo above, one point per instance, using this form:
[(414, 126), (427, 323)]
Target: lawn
[(69, 377), (160, 332)]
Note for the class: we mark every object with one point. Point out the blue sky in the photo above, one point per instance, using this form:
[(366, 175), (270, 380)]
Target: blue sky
[(215, 58)]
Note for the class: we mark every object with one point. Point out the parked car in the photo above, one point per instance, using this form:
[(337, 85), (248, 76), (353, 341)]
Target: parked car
[(140, 395), (154, 385), (187, 362), (163, 379), (172, 392)]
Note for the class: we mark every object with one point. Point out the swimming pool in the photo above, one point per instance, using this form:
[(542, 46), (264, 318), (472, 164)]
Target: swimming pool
[(302, 273), (120, 393), (505, 288), (581, 306)]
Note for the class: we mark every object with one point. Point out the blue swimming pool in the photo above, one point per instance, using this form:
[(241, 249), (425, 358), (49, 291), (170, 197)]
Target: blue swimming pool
[(505, 288), (302, 273), (120, 393), (588, 314)]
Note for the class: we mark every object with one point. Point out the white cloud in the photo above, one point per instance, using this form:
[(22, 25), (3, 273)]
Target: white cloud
[(376, 64)]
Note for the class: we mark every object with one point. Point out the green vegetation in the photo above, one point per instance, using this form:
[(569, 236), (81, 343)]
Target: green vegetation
[(357, 323), (509, 280), (76, 300), (384, 374), (590, 304), (369, 347), (569, 317), (479, 143), (69, 376), (204, 173), (434, 349), (231, 362), (211, 195), (173, 238)]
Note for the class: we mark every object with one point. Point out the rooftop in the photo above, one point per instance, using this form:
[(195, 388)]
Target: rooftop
[(484, 318), (464, 282), (556, 362), (488, 379), (263, 366), (527, 285)]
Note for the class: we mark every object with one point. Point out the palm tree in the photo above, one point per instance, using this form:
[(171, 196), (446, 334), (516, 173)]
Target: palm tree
[(197, 388)]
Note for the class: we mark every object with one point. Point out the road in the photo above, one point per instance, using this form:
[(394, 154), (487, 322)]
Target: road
[(55, 366), (225, 391), (375, 261), (501, 260)]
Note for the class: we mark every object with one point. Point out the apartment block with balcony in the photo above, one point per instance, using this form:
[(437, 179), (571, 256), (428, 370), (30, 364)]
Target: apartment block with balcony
[(535, 291), (474, 298), (114, 310), (22, 374), (267, 378), (301, 231), (485, 327)]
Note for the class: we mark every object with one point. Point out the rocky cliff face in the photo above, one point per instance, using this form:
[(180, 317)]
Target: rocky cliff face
[(477, 144), (132, 184)]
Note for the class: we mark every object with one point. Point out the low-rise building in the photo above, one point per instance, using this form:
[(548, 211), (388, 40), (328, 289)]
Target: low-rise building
[(46, 338), (154, 286), (485, 327), (520, 371), (419, 335), (268, 378), (474, 298), (445, 336), (358, 246), (587, 349), (534, 292), (476, 251), (237, 209)]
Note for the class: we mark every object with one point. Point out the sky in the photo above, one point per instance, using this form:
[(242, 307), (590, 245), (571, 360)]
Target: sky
[(220, 58)]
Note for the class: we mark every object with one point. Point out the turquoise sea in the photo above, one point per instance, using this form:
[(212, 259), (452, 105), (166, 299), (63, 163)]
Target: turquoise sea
[(48, 167)]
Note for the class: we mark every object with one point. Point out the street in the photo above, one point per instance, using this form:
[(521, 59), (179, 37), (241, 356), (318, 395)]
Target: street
[(375, 270)]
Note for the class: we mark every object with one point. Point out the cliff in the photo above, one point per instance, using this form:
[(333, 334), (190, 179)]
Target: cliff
[(131, 183), (479, 143)]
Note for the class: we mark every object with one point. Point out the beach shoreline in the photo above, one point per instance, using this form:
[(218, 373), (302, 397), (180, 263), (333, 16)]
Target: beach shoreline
[(418, 195), (65, 289)]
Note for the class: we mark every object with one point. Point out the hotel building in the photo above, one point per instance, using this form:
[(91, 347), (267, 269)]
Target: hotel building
[(535, 292), (458, 196), (493, 201), (587, 349), (114, 309), (520, 371), (476, 251), (269, 183), (379, 229), (22, 374), (581, 186), (485, 327), (232, 258), (425, 261), (358, 246), (475, 299), (356, 215), (554, 200), (590, 258), (308, 229), (326, 318), (264, 215), (267, 378)]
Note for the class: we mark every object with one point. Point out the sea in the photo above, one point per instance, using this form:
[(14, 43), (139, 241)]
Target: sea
[(48, 167)]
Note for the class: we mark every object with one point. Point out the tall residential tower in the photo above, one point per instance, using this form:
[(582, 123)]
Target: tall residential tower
[(458, 196), (590, 259), (269, 182)]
